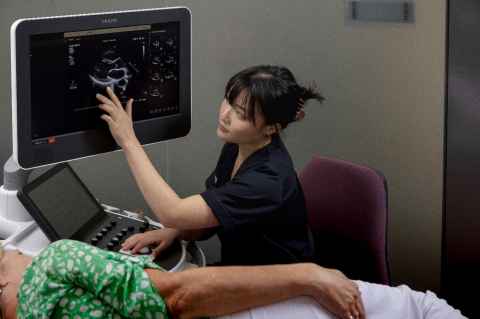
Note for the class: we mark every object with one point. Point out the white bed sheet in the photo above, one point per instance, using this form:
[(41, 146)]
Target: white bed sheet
[(380, 302)]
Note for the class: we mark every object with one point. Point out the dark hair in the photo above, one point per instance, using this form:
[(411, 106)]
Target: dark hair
[(273, 90)]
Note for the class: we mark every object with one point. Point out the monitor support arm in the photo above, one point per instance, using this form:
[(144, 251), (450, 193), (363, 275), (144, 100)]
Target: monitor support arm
[(13, 215), (14, 177)]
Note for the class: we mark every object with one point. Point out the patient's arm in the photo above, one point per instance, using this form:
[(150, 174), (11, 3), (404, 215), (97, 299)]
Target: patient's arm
[(215, 291)]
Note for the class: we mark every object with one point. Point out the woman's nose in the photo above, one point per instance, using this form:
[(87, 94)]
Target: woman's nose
[(225, 114)]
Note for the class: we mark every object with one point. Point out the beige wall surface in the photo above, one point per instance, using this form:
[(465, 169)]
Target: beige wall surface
[(384, 84)]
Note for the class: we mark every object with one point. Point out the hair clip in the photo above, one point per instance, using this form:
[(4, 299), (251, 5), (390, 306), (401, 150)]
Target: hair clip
[(300, 110), (300, 114)]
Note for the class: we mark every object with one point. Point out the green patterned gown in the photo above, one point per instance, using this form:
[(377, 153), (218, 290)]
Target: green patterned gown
[(70, 279)]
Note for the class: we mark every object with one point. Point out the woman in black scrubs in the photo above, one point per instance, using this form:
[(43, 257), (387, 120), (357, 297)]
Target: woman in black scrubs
[(253, 199)]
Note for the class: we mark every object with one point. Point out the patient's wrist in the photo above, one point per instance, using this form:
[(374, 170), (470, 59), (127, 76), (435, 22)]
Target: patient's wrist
[(305, 275), (313, 280)]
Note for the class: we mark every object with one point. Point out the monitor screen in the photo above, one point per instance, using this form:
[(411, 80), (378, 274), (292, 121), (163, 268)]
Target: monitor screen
[(60, 63), (139, 62), (61, 201)]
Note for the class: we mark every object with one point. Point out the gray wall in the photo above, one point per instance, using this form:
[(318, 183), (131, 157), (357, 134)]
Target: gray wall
[(384, 108)]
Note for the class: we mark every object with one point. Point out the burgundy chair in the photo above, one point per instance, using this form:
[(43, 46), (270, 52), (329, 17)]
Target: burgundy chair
[(347, 213)]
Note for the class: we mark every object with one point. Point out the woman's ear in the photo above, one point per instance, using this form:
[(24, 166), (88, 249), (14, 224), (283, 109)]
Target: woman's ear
[(272, 129), (269, 130)]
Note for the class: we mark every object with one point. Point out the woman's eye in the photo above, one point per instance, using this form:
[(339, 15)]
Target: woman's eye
[(239, 111)]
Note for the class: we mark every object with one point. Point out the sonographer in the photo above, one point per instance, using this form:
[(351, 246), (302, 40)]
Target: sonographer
[(253, 199)]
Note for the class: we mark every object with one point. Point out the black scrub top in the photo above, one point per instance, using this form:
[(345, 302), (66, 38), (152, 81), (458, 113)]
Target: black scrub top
[(261, 210)]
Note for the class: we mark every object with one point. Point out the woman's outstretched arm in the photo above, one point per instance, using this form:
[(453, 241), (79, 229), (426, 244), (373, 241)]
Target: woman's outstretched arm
[(172, 211)]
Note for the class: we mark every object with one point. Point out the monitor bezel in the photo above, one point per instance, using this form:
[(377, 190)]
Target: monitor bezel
[(42, 220), (92, 142)]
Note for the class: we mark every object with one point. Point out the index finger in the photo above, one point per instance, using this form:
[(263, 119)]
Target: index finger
[(359, 307), (363, 315), (130, 241), (127, 245), (113, 96), (104, 99)]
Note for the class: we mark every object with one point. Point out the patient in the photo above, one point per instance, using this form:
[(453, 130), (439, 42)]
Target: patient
[(70, 279)]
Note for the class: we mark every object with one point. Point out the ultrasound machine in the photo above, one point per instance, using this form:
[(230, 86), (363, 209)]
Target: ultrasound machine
[(58, 64)]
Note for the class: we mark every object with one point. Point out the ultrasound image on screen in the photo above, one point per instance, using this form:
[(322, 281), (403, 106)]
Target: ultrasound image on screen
[(68, 69), (64, 203)]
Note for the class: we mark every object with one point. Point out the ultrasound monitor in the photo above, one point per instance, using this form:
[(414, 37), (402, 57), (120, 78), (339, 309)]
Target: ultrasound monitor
[(61, 204), (60, 63)]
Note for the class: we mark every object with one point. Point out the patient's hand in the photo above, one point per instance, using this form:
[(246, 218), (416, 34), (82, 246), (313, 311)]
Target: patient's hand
[(162, 238), (338, 294)]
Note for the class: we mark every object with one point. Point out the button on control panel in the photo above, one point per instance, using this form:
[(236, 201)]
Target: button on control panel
[(114, 230)]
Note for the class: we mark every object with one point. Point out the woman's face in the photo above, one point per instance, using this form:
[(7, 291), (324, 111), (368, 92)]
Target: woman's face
[(13, 265), (234, 127)]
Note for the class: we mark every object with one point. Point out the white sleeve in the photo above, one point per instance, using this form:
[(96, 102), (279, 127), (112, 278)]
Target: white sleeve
[(380, 302), (402, 302)]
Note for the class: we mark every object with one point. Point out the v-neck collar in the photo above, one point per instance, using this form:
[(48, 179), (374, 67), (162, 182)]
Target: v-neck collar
[(256, 156)]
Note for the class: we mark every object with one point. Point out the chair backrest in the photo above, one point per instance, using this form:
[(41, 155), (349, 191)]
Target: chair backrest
[(347, 208)]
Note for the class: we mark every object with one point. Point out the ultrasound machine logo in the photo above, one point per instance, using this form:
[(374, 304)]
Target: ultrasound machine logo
[(109, 20)]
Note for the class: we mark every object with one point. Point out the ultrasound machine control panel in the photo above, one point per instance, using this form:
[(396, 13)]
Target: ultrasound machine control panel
[(64, 208)]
